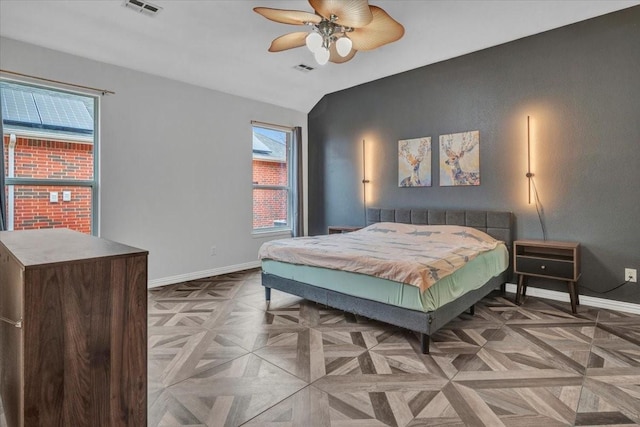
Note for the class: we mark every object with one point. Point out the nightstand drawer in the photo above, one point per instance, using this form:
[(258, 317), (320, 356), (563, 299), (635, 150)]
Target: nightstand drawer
[(545, 267), (341, 229)]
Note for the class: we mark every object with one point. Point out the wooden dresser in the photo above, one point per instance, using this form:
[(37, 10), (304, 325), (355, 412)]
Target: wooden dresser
[(73, 330)]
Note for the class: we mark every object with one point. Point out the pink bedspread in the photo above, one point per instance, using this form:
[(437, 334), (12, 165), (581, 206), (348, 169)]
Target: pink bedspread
[(419, 255)]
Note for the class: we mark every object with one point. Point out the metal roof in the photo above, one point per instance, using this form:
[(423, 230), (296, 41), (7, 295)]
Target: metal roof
[(268, 149), (29, 108)]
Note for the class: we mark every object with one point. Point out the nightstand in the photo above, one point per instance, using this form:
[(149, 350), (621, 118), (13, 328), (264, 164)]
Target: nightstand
[(550, 260), (338, 229)]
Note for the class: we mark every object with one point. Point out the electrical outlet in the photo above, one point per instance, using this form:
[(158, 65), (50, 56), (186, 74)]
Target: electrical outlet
[(631, 274), (214, 251)]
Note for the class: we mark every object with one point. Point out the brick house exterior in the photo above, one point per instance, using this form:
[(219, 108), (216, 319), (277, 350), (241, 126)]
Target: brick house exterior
[(48, 135), (269, 168), (50, 159), (269, 204)]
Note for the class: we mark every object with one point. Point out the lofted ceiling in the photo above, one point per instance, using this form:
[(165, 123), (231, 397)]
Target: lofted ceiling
[(222, 44)]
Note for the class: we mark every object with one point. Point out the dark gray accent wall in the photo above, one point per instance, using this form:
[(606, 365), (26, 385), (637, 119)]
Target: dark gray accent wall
[(581, 86)]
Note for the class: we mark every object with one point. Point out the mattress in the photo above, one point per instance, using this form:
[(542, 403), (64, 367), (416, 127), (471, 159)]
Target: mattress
[(413, 254), (472, 276)]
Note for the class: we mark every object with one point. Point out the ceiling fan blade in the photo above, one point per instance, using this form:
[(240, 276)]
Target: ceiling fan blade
[(335, 57), (293, 17), (382, 30), (288, 41), (350, 13)]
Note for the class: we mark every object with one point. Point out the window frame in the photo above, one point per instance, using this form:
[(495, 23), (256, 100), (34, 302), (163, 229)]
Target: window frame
[(288, 229), (35, 182)]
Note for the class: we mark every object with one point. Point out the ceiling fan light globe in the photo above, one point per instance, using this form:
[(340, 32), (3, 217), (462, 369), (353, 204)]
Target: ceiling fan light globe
[(322, 56), (314, 41), (343, 46)]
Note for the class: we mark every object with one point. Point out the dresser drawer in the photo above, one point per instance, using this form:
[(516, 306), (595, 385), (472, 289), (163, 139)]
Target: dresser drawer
[(545, 267)]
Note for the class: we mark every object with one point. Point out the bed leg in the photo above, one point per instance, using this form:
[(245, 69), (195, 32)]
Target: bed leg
[(472, 310), (424, 343), (267, 294)]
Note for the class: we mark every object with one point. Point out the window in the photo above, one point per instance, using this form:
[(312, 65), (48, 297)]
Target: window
[(272, 178), (50, 142)]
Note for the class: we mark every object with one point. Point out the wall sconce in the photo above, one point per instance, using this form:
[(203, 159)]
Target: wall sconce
[(532, 183), (529, 175), (365, 181)]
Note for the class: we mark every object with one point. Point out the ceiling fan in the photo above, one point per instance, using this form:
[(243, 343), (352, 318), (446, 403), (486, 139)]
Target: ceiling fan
[(340, 28)]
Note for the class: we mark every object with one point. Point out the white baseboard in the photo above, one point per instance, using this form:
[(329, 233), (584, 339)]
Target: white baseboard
[(609, 304), (202, 274)]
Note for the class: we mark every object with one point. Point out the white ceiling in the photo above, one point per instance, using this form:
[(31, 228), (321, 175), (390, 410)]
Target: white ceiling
[(222, 44)]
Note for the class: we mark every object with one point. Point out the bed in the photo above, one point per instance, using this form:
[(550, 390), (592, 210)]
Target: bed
[(392, 301)]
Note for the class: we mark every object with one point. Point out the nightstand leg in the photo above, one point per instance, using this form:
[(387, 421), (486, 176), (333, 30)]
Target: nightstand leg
[(519, 289), (573, 295)]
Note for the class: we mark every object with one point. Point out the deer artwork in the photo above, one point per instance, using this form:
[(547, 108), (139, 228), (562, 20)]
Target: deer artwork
[(459, 176), (414, 161)]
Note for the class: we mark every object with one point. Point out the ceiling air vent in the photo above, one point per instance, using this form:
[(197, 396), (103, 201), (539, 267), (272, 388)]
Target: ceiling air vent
[(304, 68), (143, 7)]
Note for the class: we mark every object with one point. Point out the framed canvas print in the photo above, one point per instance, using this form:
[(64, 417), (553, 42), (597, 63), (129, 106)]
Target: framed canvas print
[(414, 162), (460, 159)]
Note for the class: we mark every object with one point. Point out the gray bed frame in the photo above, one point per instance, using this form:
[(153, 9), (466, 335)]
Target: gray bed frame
[(497, 224)]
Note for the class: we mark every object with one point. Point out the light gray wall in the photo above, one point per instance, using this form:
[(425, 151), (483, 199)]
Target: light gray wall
[(175, 161), (581, 86)]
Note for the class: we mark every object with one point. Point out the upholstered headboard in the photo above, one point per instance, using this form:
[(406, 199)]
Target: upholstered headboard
[(498, 225)]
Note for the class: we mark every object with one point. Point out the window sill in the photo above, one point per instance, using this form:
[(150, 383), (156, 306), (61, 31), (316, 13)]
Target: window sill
[(271, 233)]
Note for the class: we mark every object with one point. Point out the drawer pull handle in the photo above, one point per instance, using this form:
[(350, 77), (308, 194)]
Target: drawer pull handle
[(17, 324), (543, 267)]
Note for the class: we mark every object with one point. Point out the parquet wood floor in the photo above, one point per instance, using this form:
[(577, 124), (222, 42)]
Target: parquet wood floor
[(219, 357)]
